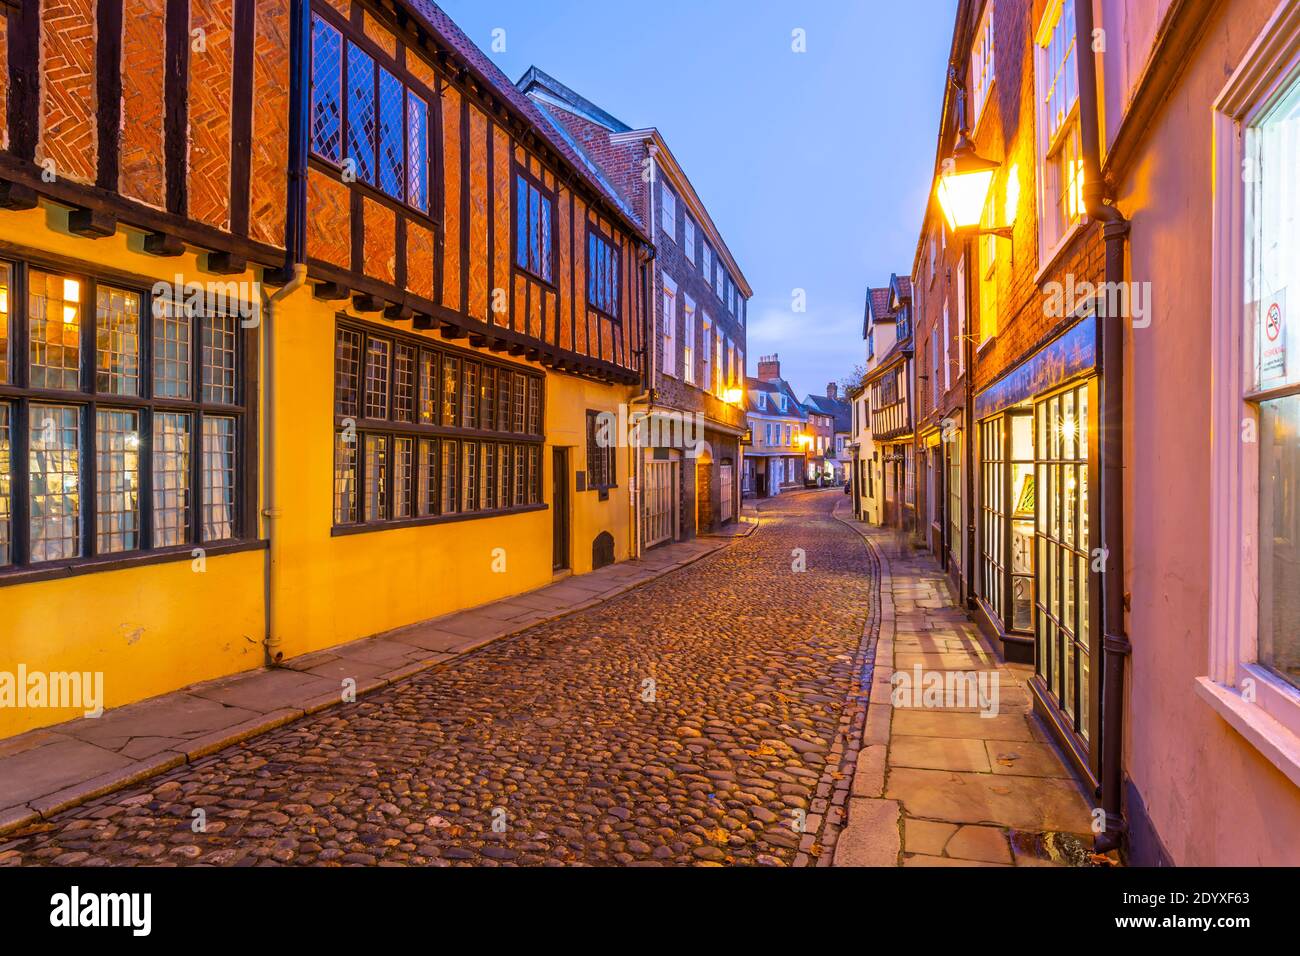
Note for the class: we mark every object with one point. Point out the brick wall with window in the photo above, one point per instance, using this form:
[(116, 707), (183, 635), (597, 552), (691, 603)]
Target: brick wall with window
[(1006, 311)]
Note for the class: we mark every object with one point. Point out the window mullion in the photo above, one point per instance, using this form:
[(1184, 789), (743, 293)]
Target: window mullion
[(87, 504)]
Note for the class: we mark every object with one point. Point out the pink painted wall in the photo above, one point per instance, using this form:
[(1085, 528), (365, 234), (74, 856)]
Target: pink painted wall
[(1212, 798)]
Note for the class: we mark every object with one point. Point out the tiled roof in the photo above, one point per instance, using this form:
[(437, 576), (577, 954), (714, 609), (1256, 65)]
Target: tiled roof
[(438, 21), (780, 386), (840, 411), (880, 302)]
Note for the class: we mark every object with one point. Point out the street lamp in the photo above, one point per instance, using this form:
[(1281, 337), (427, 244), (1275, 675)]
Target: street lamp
[(967, 177), (733, 396)]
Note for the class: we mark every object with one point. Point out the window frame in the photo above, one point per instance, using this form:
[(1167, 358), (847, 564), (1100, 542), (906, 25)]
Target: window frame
[(690, 312), (1054, 235), (1271, 722), (411, 85), (89, 401), (667, 211), (668, 302), (446, 430), (607, 472), (550, 195), (600, 238), (983, 65)]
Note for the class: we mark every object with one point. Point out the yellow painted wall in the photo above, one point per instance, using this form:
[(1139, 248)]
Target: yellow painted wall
[(160, 627), (330, 589), (149, 629)]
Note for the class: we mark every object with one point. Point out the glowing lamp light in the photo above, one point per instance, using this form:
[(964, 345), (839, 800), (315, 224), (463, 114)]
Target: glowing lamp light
[(733, 396), (963, 189)]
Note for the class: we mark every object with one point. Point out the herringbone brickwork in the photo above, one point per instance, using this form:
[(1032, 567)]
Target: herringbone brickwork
[(68, 88), (142, 173), (210, 91)]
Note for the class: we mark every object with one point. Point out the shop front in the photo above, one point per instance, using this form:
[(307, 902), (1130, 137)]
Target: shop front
[(1037, 529)]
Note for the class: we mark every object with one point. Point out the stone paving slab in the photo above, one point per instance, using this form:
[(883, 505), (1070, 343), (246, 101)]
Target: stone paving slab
[(45, 771), (971, 789)]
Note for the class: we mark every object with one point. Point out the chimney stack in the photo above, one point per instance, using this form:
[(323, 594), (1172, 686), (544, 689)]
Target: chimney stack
[(769, 367), (832, 391)]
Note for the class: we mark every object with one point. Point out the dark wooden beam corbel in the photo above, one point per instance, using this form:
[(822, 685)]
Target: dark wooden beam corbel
[(164, 244), (399, 312), (17, 195), (227, 263), (92, 223), (364, 302), (331, 291)]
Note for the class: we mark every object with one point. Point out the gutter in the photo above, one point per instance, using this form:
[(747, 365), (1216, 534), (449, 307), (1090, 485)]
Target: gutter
[(294, 276), (1116, 646)]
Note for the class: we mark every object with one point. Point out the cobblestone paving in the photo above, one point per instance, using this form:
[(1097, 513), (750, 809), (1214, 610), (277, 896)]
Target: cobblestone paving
[(547, 734)]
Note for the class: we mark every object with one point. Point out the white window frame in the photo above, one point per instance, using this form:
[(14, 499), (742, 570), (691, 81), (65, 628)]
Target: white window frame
[(947, 349), (670, 326), (934, 366), (961, 316), (688, 340), (706, 263), (719, 366), (706, 346), (688, 238), (1271, 721), (668, 212), (982, 62), (1054, 236)]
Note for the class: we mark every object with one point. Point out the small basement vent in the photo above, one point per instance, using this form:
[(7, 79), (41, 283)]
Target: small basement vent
[(602, 550)]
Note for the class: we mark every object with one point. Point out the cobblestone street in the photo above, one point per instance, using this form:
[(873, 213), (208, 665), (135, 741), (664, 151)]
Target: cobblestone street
[(696, 720)]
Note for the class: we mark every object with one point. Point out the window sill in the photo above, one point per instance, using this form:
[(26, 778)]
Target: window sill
[(1278, 744), (1045, 265), (123, 562), (984, 346), (343, 530)]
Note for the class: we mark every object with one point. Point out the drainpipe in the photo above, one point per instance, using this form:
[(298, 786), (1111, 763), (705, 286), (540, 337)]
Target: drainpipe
[(294, 276), (1116, 646), (647, 396), (968, 440)]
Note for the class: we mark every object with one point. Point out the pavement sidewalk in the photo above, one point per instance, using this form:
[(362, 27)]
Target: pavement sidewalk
[(944, 785), (48, 770)]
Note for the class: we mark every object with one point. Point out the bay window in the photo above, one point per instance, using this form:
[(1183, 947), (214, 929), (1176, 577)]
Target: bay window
[(106, 391), (1253, 679)]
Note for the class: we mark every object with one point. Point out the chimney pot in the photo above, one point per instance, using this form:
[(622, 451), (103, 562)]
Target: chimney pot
[(769, 367)]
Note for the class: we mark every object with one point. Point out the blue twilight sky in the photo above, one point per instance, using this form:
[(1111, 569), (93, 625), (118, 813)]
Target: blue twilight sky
[(814, 166)]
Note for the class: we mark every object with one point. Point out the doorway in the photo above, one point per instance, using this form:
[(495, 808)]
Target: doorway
[(560, 509)]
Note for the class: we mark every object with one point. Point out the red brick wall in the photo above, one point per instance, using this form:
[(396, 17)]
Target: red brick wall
[(211, 74), (141, 172), (4, 83), (270, 146), (68, 104), (1007, 134)]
